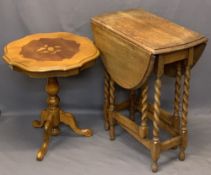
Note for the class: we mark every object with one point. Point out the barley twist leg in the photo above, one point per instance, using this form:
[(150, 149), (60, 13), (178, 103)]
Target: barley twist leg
[(176, 120), (106, 101), (155, 152), (111, 109), (184, 132), (143, 130)]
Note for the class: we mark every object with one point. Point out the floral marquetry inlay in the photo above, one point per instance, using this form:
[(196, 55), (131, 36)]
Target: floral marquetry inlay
[(44, 54), (52, 55), (50, 49)]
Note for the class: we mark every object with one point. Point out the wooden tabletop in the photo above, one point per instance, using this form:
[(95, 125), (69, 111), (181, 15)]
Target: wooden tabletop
[(50, 52), (154, 34), (132, 41)]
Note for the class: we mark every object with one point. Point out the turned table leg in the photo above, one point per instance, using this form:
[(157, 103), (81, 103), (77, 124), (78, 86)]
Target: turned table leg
[(155, 152), (186, 94), (176, 114), (106, 101), (53, 116), (111, 109), (143, 129), (184, 114)]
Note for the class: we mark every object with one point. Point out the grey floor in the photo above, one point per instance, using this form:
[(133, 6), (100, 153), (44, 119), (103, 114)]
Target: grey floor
[(73, 155)]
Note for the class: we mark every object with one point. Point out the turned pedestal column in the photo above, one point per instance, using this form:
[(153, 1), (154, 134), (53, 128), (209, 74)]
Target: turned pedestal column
[(53, 116), (52, 55)]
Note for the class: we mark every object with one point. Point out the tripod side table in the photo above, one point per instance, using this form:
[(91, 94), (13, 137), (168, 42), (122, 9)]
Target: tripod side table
[(52, 55)]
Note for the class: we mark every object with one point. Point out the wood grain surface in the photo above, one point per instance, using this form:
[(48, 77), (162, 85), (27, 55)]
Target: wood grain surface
[(50, 52), (134, 43), (131, 41), (154, 34)]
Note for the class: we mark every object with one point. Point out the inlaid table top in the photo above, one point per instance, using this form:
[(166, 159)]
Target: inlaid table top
[(46, 54), (51, 55)]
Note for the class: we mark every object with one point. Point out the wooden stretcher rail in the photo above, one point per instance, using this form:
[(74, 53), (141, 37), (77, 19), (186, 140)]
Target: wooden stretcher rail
[(131, 127), (171, 143)]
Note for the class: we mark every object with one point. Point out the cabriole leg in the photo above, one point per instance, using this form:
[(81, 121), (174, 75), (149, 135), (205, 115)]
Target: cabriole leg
[(53, 116), (44, 148), (69, 120)]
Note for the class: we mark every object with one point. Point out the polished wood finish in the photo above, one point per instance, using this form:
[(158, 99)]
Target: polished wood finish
[(137, 36), (134, 44), (177, 99), (155, 150), (133, 76), (46, 66), (53, 116), (111, 109), (106, 101), (137, 25), (51, 49), (143, 129), (186, 94), (51, 55)]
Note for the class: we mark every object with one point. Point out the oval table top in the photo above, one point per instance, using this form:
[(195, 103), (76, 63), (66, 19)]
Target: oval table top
[(153, 33), (132, 42), (51, 54)]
